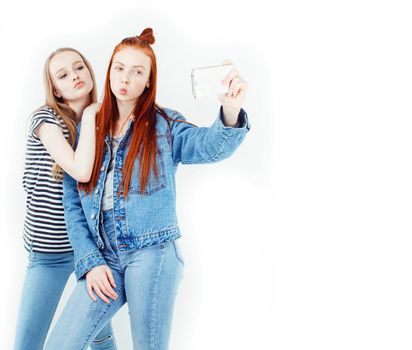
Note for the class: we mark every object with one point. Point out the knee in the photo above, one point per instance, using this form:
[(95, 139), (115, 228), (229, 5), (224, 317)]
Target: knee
[(97, 343)]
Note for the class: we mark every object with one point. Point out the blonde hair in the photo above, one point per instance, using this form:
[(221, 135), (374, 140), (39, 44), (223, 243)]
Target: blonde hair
[(61, 108)]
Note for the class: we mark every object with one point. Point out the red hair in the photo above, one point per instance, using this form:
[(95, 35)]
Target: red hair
[(143, 129)]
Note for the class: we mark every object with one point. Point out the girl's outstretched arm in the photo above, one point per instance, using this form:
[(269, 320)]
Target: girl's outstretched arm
[(79, 163)]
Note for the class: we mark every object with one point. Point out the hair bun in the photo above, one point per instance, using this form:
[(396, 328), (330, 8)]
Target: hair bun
[(147, 36)]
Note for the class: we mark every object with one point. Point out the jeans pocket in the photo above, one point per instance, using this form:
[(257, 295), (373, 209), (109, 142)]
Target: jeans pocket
[(178, 252)]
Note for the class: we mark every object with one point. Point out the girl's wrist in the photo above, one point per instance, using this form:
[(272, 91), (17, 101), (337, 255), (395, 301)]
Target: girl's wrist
[(230, 116), (89, 117)]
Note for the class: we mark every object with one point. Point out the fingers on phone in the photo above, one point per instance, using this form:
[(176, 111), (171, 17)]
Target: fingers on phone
[(237, 85), (232, 87), (230, 76)]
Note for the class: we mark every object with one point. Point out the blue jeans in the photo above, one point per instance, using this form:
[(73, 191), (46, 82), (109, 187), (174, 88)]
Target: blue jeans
[(46, 277), (147, 279)]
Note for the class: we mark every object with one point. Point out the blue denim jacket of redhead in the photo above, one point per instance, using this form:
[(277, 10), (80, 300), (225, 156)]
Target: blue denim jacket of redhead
[(149, 217)]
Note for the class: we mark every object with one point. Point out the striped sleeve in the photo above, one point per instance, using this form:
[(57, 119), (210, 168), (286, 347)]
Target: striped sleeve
[(41, 116)]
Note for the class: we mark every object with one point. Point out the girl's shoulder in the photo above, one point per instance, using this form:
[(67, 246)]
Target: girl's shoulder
[(171, 113), (45, 112), (49, 109), (174, 118)]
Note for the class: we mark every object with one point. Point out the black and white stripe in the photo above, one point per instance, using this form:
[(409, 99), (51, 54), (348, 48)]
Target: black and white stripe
[(44, 227)]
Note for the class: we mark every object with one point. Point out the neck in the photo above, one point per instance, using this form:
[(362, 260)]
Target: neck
[(78, 106), (125, 108)]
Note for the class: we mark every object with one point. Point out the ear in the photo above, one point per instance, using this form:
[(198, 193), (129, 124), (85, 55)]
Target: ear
[(148, 84), (57, 93)]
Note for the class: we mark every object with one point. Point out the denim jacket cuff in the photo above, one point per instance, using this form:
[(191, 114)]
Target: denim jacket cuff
[(241, 127), (89, 261)]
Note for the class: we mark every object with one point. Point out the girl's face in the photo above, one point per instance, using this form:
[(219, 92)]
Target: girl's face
[(70, 76), (129, 74)]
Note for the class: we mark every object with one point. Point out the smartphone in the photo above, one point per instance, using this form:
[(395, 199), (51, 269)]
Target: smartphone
[(208, 80)]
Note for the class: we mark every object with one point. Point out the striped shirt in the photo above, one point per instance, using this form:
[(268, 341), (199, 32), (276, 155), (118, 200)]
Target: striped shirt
[(44, 227)]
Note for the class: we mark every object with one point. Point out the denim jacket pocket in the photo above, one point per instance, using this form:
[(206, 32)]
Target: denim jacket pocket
[(154, 184)]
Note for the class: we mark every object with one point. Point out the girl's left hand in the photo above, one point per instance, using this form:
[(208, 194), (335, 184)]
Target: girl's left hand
[(91, 110), (233, 100)]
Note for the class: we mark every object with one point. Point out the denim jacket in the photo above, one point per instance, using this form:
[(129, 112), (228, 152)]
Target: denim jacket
[(149, 217)]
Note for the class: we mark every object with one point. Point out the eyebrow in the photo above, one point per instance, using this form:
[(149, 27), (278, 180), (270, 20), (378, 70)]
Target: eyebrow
[(79, 61), (132, 66)]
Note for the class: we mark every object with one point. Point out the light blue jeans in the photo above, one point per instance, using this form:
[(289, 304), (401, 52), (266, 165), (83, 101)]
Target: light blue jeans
[(46, 277), (147, 279)]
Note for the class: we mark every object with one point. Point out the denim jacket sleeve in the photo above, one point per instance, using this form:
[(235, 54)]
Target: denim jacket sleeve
[(194, 145), (86, 253)]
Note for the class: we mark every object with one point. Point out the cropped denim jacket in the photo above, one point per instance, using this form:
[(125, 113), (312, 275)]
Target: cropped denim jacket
[(149, 217)]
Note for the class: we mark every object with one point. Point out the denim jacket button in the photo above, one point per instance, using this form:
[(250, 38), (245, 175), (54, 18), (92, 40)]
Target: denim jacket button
[(97, 191), (102, 168), (92, 216)]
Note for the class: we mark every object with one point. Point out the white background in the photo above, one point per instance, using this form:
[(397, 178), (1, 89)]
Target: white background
[(300, 240)]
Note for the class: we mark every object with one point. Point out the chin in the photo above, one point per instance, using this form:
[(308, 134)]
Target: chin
[(121, 97), (82, 94), (125, 98)]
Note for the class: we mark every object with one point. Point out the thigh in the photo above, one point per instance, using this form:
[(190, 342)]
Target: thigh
[(152, 279), (46, 277), (83, 319)]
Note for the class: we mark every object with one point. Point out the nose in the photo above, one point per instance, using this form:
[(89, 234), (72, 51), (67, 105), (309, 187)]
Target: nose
[(125, 79), (75, 76)]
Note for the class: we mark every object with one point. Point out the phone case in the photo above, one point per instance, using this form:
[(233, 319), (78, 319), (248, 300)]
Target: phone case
[(208, 80)]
